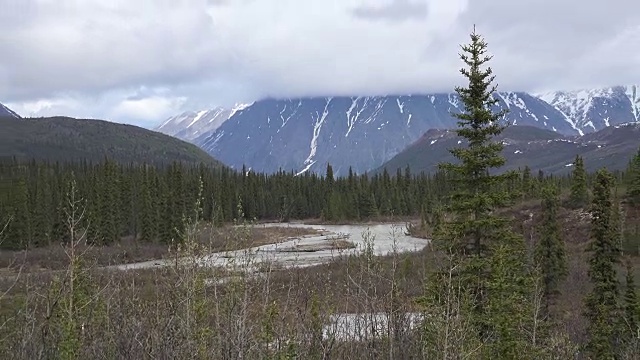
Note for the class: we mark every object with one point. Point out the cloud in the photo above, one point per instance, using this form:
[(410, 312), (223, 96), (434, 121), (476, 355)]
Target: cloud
[(141, 106), (90, 45), (396, 10), (121, 59), (155, 107)]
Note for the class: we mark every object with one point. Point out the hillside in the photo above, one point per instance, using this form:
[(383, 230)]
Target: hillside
[(68, 139), (540, 149)]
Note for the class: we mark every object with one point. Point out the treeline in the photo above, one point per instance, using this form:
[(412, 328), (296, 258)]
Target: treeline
[(150, 202)]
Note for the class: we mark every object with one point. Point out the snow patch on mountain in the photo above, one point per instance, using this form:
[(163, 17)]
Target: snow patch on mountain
[(197, 117), (633, 93), (590, 110), (239, 107), (191, 124), (316, 132), (5, 111), (359, 132)]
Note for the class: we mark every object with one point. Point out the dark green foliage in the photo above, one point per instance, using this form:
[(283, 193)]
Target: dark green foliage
[(109, 199), (149, 202), (631, 306), (602, 302), (491, 257), (579, 196), (550, 255), (148, 209), (477, 192), (633, 180), (631, 240), (18, 233), (528, 184), (509, 304)]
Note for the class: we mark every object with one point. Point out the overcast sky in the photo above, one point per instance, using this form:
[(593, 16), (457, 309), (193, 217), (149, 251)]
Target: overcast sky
[(144, 60)]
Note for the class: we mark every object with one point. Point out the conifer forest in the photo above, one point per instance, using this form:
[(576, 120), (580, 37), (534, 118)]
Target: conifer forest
[(518, 265)]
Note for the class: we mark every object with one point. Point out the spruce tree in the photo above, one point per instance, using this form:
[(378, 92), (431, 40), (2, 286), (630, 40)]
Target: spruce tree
[(550, 253), (148, 228), (633, 180), (602, 302), (483, 241), (631, 307), (18, 234), (329, 211), (527, 183), (579, 196), (477, 192)]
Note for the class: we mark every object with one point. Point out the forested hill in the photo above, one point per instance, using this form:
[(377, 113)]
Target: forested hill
[(67, 139), (539, 149)]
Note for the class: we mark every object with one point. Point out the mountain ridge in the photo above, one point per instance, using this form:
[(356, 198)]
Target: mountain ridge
[(6, 112), (198, 122), (539, 149), (359, 132), (363, 132), (70, 139), (604, 106)]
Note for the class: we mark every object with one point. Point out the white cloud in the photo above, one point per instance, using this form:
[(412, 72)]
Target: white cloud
[(395, 10), (155, 107), (86, 56)]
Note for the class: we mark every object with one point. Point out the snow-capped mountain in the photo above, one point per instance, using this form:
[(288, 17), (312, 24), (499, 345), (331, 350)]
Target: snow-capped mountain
[(361, 132), (594, 109), (6, 112), (191, 124)]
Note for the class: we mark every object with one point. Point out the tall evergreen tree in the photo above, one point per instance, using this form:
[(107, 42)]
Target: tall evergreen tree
[(19, 232), (633, 179), (483, 241), (148, 226), (550, 253), (579, 196), (527, 183), (631, 308), (602, 302), (477, 192)]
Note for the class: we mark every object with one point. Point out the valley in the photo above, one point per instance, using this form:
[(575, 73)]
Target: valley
[(479, 224)]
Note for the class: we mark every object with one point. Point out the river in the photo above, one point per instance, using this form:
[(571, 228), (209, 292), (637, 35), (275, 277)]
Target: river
[(380, 239)]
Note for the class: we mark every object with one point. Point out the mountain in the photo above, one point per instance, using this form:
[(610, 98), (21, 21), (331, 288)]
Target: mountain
[(191, 124), (68, 139), (362, 132), (6, 112), (594, 109), (540, 149)]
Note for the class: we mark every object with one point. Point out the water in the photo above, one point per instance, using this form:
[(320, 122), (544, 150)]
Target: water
[(381, 239)]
